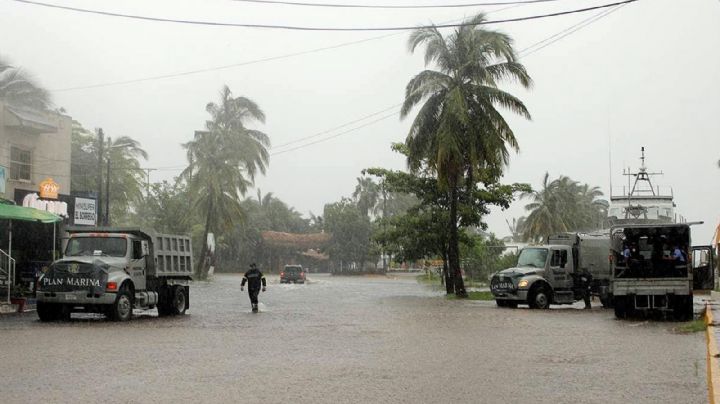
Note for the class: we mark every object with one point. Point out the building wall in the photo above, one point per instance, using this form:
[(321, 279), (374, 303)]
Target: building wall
[(50, 152)]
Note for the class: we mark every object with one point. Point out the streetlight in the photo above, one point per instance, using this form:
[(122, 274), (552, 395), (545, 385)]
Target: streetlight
[(106, 220)]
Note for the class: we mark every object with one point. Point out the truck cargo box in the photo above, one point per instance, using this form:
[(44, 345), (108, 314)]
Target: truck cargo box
[(173, 255)]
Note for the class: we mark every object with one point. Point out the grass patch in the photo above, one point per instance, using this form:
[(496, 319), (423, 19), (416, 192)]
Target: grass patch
[(692, 326), (474, 296), (432, 279)]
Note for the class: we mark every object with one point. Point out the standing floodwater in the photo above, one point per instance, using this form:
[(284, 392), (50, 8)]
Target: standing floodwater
[(338, 339)]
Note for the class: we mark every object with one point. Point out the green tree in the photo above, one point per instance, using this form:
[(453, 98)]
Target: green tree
[(458, 131), (223, 162), (127, 179), (422, 231), (351, 231), (366, 195), (563, 205), (18, 88)]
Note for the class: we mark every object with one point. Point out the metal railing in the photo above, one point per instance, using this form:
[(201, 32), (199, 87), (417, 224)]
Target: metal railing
[(7, 271)]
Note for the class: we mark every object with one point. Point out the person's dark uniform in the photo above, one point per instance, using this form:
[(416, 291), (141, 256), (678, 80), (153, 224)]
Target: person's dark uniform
[(254, 279), (584, 283)]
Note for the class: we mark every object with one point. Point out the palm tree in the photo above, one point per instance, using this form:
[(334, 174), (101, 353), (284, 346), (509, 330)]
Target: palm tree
[(223, 162), (563, 205), (127, 178), (459, 130), (18, 88), (545, 217), (367, 194)]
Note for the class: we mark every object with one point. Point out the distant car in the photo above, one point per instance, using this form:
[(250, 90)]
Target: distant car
[(292, 274)]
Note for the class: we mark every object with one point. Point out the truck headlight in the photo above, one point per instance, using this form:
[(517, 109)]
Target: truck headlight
[(522, 284)]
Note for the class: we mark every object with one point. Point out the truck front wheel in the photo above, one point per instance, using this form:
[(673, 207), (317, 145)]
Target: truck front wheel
[(48, 311), (539, 298), (121, 310)]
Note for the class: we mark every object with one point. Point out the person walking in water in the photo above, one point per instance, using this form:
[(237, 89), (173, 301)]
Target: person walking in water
[(254, 279)]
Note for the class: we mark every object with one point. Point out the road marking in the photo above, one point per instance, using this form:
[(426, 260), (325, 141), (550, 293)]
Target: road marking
[(713, 369)]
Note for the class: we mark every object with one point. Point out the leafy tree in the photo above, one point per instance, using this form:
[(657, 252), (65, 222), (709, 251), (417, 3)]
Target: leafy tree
[(458, 131), (351, 231), (223, 161), (127, 179), (422, 232), (483, 256), (18, 88), (563, 205)]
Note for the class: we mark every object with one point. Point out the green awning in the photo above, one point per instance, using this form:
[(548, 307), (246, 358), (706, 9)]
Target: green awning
[(14, 212)]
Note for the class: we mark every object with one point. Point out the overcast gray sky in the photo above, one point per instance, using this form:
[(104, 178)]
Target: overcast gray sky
[(646, 75)]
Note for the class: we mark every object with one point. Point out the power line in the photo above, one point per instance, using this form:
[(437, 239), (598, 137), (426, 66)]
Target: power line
[(386, 6), (337, 127), (249, 62), (224, 67), (306, 28), (337, 134), (568, 31), (521, 54)]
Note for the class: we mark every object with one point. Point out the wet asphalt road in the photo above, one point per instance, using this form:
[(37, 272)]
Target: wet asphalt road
[(349, 340)]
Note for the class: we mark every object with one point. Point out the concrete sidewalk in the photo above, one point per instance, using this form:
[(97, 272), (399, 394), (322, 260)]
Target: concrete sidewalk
[(712, 319)]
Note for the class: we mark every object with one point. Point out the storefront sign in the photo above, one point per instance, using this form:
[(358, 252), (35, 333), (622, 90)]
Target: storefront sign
[(49, 189), (56, 207), (85, 212)]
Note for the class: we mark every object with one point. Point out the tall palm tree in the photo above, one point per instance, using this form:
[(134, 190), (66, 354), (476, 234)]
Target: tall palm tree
[(459, 130), (366, 194), (223, 162), (127, 179), (563, 205), (18, 88), (545, 217)]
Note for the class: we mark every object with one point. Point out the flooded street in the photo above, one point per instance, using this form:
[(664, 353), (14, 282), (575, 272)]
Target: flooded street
[(342, 339)]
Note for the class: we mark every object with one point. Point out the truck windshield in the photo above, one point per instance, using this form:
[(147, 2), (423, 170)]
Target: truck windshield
[(106, 246), (532, 257)]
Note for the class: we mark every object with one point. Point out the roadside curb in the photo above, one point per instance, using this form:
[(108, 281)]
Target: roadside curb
[(713, 369)]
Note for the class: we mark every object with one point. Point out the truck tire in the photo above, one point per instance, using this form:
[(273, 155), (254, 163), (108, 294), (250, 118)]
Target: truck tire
[(683, 308), (620, 306), (122, 309), (539, 298), (179, 301), (607, 302), (48, 311)]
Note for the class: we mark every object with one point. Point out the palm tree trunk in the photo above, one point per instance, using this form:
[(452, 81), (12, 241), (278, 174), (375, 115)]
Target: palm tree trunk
[(454, 244), (446, 275), (202, 268)]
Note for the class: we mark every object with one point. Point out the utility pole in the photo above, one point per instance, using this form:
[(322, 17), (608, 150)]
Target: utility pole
[(107, 194), (147, 183), (101, 141)]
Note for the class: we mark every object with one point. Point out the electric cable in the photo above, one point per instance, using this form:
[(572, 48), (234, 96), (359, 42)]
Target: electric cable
[(396, 6), (324, 29), (521, 54), (246, 63)]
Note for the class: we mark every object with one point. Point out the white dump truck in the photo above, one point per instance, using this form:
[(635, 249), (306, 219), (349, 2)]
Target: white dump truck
[(114, 270)]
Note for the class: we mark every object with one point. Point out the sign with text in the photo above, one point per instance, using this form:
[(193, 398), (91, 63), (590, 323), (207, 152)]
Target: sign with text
[(85, 212), (57, 207), (49, 189)]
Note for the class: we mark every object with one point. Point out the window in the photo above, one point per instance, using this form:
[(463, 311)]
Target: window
[(20, 164), (559, 258)]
